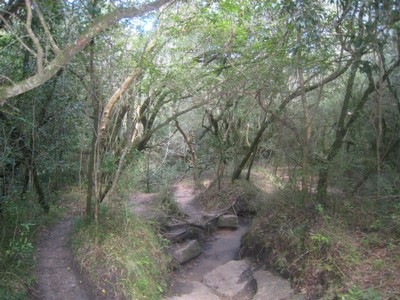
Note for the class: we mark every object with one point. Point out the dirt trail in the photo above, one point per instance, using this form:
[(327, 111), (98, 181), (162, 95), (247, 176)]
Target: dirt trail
[(55, 272)]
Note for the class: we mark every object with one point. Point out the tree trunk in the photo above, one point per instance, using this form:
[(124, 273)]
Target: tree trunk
[(253, 157), (305, 172), (342, 127), (189, 144), (91, 196), (39, 190), (253, 147)]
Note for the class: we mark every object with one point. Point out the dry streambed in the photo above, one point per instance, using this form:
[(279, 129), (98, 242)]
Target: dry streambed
[(210, 267)]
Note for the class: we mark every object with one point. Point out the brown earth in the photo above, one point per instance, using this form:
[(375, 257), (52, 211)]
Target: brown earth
[(57, 277)]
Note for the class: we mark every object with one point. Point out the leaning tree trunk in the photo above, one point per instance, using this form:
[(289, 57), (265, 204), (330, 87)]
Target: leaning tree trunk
[(188, 142), (343, 127), (253, 147)]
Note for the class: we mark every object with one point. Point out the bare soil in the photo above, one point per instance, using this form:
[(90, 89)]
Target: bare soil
[(57, 277)]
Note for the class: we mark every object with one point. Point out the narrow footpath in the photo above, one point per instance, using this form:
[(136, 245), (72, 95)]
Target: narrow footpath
[(55, 271)]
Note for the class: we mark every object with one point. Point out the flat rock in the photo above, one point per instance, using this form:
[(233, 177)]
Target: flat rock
[(272, 287), (228, 221), (186, 251), (233, 280), (177, 234), (191, 290)]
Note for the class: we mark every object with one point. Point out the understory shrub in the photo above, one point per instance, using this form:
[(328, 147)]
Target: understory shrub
[(322, 251), (124, 256)]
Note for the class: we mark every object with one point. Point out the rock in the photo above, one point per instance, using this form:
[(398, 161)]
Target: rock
[(227, 221), (272, 287), (186, 251), (209, 221), (177, 234), (233, 280), (191, 290)]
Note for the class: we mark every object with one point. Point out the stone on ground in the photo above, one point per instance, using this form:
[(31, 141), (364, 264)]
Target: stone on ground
[(186, 251), (178, 234), (272, 287), (192, 290), (233, 280), (227, 221)]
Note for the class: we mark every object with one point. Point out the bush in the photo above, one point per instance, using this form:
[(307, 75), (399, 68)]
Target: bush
[(242, 195), (299, 243), (20, 222), (123, 255)]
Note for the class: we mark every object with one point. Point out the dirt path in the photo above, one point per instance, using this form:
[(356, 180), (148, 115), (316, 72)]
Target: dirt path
[(56, 276)]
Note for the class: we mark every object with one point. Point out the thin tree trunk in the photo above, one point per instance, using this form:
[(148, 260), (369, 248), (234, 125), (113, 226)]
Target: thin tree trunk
[(238, 170), (341, 131), (394, 146), (91, 196), (188, 142), (343, 127), (305, 173), (253, 157)]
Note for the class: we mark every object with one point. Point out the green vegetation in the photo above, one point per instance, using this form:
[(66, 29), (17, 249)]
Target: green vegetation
[(22, 222), (165, 201), (243, 196), (115, 96), (123, 256), (327, 252)]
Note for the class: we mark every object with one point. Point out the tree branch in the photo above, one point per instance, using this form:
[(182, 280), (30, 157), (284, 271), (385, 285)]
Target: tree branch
[(65, 55), (35, 40), (46, 28)]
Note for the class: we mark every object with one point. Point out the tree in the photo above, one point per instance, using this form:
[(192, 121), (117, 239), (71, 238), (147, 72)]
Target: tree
[(61, 57)]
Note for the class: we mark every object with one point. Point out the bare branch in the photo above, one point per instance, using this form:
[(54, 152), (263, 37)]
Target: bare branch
[(46, 28), (7, 25), (64, 56), (35, 40)]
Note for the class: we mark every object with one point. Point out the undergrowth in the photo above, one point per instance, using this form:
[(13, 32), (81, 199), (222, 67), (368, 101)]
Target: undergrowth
[(241, 195), (21, 221), (348, 250), (123, 255), (165, 201)]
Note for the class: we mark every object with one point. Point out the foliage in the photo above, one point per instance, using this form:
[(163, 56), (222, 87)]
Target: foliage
[(166, 202), (243, 196), (123, 256), (325, 252), (21, 222)]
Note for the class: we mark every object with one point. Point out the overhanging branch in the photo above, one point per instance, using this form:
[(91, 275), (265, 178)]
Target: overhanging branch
[(64, 56)]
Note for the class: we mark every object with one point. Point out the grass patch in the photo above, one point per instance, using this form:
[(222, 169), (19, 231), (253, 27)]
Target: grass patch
[(21, 222), (165, 201), (123, 256)]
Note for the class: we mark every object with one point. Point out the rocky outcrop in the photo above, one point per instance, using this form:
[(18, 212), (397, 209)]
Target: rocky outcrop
[(233, 280), (186, 251)]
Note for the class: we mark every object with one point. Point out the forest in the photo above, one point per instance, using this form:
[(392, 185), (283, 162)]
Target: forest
[(100, 99)]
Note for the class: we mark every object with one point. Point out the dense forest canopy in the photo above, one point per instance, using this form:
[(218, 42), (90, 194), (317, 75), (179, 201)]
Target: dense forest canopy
[(105, 94), (311, 85)]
